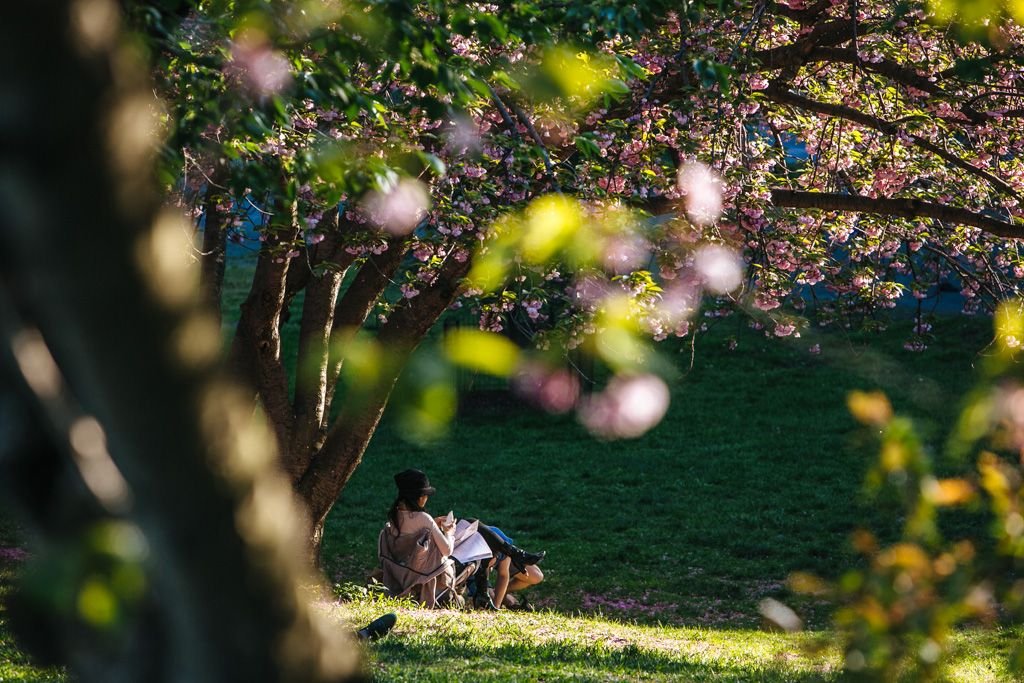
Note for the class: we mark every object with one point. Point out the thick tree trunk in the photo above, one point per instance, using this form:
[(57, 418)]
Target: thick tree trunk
[(255, 353), (99, 279), (326, 328), (342, 451), (310, 406), (214, 249)]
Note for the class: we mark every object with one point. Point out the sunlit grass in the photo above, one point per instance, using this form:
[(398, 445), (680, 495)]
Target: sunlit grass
[(660, 548), (443, 645), (755, 473), (15, 666)]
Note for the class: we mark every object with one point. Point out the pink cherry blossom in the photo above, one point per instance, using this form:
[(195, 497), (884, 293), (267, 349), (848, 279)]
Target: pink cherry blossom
[(263, 70), (628, 407), (400, 208), (720, 268), (702, 189)]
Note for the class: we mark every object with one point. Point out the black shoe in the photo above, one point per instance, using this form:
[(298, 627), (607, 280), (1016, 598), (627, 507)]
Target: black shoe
[(522, 559), (378, 627)]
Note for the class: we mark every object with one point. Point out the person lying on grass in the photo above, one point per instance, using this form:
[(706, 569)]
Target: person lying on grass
[(415, 548)]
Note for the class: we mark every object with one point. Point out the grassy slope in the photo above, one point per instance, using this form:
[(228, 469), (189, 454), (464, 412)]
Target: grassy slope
[(15, 666), (659, 548), (754, 473), (548, 646)]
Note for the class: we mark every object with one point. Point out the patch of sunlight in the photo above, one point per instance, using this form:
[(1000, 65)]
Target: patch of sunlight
[(498, 645)]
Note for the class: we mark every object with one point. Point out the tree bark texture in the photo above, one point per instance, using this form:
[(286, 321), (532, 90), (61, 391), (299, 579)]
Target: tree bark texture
[(310, 405), (256, 350), (213, 259), (84, 240), (333, 465)]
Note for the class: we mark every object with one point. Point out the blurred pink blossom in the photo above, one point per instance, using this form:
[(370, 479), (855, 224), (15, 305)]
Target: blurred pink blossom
[(625, 253), (13, 554), (703, 191), (679, 301), (1009, 402), (263, 70), (399, 209), (628, 407), (464, 137), (556, 391), (720, 268)]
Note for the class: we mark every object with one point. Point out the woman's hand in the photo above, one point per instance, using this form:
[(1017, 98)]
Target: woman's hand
[(442, 523)]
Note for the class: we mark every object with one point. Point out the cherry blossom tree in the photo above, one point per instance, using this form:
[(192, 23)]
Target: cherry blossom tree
[(581, 179)]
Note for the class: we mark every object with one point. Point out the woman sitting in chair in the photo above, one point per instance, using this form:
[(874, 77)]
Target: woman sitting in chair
[(415, 548)]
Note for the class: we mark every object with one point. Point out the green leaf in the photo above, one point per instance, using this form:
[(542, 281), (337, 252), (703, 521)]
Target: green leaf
[(973, 70), (587, 147)]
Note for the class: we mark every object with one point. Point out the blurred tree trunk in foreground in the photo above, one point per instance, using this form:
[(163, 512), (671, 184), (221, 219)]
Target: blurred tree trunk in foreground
[(196, 574)]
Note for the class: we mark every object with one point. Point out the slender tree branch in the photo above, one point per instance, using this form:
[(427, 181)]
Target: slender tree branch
[(358, 301), (214, 255), (535, 136), (781, 95), (318, 311), (903, 208)]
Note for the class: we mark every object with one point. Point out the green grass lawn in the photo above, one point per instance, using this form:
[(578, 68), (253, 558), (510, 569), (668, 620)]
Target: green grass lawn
[(660, 548), (443, 645), (755, 473)]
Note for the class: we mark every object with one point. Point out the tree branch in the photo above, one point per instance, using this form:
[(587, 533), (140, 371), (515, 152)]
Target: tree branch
[(318, 310), (781, 95), (797, 53), (214, 253), (331, 250), (343, 449), (805, 16), (357, 303), (256, 349), (903, 208)]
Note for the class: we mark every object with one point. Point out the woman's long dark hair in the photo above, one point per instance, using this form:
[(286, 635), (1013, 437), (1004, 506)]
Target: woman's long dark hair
[(410, 502)]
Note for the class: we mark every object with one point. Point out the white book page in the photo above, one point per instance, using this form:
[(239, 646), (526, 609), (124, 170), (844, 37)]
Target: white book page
[(473, 547), (464, 530)]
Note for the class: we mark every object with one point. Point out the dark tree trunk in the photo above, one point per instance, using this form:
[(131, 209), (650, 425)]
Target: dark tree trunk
[(256, 350), (82, 238), (342, 452), (214, 249)]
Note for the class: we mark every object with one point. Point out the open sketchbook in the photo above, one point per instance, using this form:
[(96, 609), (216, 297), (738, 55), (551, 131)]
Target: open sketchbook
[(469, 544)]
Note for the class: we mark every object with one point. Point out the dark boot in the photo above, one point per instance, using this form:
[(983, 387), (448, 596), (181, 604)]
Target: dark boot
[(520, 558), (481, 595), (377, 628)]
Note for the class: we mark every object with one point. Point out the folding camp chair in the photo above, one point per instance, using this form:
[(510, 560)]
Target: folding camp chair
[(413, 566)]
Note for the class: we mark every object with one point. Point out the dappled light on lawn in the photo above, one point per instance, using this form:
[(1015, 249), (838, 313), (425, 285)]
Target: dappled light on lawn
[(430, 645)]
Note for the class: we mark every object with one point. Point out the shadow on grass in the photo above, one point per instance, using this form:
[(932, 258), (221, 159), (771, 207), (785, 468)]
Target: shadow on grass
[(399, 658)]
